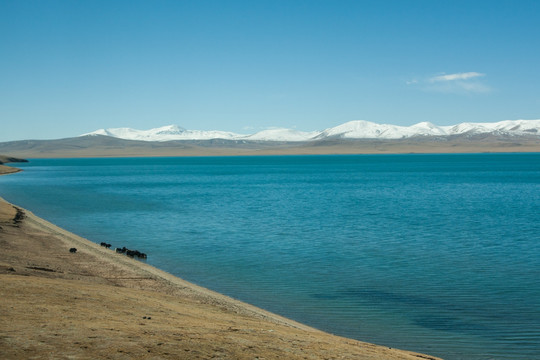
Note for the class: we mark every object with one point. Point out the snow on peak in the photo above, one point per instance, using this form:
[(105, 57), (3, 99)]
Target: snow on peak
[(506, 127), (368, 130), (282, 135), (164, 133), (359, 129), (169, 129), (427, 129)]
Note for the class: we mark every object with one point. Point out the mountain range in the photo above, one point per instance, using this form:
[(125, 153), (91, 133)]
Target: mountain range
[(351, 130), (355, 137)]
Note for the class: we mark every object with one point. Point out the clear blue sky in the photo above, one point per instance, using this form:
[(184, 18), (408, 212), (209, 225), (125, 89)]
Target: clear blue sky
[(70, 67)]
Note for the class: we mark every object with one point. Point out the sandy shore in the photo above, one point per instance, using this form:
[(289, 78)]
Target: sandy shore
[(98, 304), (7, 170)]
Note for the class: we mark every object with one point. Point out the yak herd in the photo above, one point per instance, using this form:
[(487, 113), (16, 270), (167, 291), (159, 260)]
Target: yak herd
[(131, 253), (123, 250)]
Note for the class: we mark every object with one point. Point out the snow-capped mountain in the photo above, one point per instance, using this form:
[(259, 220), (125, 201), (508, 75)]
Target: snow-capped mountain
[(351, 130), (164, 133), (174, 132), (282, 135), (507, 127), (369, 130)]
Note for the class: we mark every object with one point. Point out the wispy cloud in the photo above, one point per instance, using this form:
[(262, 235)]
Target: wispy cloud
[(458, 83), (457, 76)]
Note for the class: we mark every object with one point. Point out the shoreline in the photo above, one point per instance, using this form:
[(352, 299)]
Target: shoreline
[(36, 262), (4, 170), (151, 272)]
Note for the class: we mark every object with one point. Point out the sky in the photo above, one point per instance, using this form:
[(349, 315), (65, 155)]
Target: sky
[(72, 67)]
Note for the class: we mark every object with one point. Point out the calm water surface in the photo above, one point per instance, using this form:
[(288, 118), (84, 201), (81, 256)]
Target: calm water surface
[(432, 253)]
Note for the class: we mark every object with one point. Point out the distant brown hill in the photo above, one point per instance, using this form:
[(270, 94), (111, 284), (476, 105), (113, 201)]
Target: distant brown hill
[(7, 159), (8, 169), (105, 146)]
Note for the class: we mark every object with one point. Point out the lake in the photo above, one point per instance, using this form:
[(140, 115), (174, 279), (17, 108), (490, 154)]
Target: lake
[(433, 253)]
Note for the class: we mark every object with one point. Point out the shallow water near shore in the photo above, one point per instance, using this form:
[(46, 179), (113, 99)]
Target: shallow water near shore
[(433, 253)]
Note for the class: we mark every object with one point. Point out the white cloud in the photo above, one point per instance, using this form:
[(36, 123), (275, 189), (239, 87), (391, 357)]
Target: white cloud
[(458, 83), (457, 76)]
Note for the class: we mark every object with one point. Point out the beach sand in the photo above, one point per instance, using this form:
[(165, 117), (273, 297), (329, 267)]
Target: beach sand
[(96, 304), (7, 169)]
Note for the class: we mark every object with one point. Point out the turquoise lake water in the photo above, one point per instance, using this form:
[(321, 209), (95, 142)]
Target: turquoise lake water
[(432, 253)]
